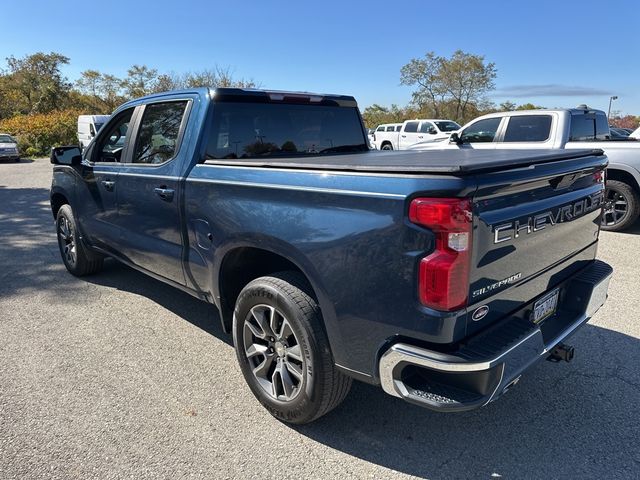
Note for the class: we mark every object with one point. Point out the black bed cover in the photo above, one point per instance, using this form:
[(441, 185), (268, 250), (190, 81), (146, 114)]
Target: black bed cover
[(461, 162)]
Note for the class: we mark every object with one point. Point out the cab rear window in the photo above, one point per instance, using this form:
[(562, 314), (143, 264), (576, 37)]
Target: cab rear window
[(255, 130), (588, 127)]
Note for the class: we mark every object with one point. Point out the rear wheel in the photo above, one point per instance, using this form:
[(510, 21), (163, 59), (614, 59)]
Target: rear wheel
[(621, 206), (386, 146), (78, 260), (283, 350)]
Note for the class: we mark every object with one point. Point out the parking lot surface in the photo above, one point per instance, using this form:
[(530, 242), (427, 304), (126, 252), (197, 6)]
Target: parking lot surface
[(117, 375)]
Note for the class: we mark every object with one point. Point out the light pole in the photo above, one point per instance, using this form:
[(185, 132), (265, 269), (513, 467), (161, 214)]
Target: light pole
[(611, 99)]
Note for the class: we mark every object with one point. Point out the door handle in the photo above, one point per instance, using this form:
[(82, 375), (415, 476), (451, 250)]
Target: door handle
[(108, 185), (404, 136), (164, 193), (420, 136)]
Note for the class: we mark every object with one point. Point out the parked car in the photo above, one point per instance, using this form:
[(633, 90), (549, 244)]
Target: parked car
[(635, 134), (618, 132), (9, 148), (88, 127), (574, 128), (403, 135), (427, 274)]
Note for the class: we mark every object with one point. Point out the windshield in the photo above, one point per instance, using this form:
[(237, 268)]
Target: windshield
[(447, 126), (6, 139), (250, 130)]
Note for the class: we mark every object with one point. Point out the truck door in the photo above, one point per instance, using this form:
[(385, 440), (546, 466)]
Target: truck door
[(149, 190), (409, 135), (97, 202)]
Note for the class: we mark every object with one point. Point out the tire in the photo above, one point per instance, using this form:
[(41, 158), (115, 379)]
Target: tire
[(386, 146), (75, 256), (621, 208), (278, 334)]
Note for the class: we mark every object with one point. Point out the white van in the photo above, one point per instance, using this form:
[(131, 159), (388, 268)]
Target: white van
[(88, 126)]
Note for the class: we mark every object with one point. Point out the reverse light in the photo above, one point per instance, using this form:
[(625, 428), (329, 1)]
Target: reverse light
[(443, 276)]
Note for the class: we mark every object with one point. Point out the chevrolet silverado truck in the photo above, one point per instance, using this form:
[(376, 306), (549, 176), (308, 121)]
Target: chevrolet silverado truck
[(575, 128), (441, 277), (411, 132)]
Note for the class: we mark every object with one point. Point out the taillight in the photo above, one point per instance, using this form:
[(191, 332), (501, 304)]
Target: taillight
[(443, 276), (599, 176)]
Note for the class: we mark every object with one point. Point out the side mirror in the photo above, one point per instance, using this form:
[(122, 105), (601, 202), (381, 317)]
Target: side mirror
[(455, 138), (432, 131), (69, 155)]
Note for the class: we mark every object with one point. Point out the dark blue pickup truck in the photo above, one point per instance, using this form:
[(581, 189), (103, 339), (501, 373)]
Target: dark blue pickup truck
[(441, 276)]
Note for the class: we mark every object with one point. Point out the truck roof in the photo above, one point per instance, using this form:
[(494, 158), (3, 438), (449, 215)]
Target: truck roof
[(459, 162), (228, 93)]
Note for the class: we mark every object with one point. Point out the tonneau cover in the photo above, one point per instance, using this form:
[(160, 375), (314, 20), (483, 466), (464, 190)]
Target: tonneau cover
[(461, 162)]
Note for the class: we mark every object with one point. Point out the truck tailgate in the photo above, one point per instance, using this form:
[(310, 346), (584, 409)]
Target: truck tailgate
[(533, 227)]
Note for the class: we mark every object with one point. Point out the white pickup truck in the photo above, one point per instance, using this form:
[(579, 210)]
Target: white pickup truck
[(575, 128), (400, 136)]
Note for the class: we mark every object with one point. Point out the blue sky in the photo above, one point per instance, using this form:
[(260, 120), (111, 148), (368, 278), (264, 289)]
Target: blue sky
[(552, 53)]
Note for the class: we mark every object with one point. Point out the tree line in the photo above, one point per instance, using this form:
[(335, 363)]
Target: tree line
[(34, 84), (454, 88), (39, 104)]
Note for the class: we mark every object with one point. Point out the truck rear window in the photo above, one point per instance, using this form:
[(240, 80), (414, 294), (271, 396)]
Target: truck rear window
[(589, 126), (251, 130)]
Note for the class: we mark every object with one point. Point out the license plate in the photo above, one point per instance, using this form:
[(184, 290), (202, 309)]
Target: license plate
[(546, 306)]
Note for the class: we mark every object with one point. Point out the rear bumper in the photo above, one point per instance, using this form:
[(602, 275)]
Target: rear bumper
[(488, 364)]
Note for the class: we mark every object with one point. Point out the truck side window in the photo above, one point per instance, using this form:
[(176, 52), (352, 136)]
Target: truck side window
[(528, 128), (158, 134), (390, 129), (411, 127), (110, 145), (481, 131)]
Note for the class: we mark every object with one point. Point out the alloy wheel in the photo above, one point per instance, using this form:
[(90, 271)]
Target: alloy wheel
[(67, 241), (616, 207), (273, 352)]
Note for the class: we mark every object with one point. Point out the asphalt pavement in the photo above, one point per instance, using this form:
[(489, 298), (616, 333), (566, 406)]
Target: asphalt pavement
[(117, 375)]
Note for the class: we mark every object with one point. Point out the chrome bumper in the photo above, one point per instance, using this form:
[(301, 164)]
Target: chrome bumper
[(468, 379)]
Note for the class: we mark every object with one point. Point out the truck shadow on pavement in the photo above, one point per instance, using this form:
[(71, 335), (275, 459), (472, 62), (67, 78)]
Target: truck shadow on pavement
[(577, 420), (201, 314)]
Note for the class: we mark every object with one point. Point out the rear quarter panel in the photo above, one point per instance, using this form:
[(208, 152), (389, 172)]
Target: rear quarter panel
[(347, 232)]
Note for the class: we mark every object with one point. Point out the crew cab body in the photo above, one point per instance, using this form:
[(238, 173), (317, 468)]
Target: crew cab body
[(440, 276), (410, 132), (569, 129)]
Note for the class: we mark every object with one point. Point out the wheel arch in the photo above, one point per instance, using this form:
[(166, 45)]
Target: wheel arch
[(244, 263), (58, 199), (625, 174)]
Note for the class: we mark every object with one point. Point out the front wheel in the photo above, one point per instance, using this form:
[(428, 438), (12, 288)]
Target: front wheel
[(74, 254), (386, 146), (283, 350), (621, 206)]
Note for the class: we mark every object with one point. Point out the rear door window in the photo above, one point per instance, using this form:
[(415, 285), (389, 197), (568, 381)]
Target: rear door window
[(411, 127), (159, 131), (528, 128)]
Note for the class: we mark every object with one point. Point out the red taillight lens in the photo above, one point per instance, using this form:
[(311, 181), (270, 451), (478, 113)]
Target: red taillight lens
[(443, 278)]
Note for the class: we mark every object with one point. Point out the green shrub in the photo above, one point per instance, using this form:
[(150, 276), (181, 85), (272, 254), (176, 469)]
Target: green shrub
[(36, 134)]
